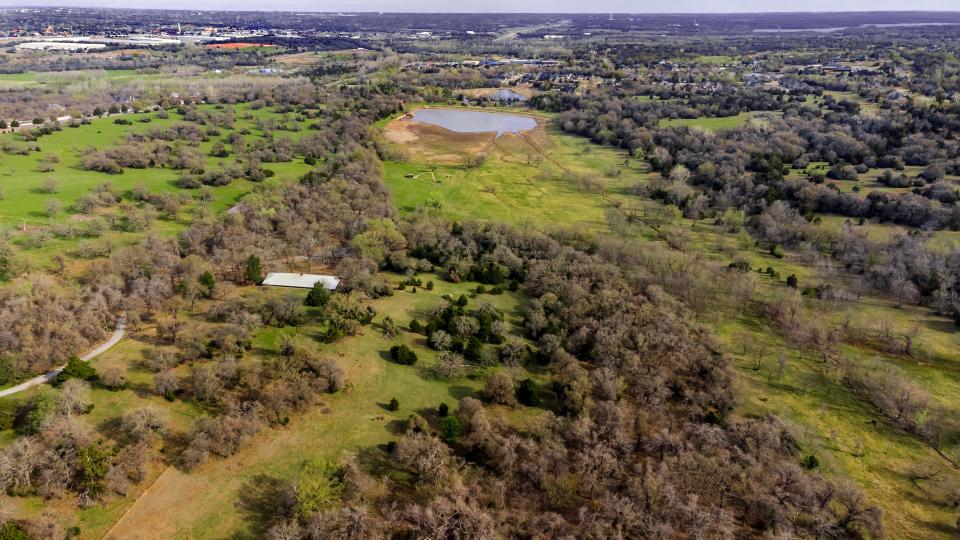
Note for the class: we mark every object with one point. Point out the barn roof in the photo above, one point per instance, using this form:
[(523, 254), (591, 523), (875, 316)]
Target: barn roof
[(300, 281)]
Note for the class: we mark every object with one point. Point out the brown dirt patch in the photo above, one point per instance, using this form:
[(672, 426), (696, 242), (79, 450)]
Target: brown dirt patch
[(438, 145)]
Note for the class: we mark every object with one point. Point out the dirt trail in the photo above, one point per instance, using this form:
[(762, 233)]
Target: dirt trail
[(115, 338)]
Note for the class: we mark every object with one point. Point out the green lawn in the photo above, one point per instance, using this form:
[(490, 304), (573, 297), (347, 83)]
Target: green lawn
[(24, 205), (716, 123)]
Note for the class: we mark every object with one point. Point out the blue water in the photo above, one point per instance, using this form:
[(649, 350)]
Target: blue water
[(463, 121)]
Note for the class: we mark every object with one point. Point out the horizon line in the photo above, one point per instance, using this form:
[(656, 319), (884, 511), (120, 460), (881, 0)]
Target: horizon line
[(392, 12)]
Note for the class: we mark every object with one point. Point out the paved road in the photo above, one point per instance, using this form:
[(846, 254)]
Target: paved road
[(115, 338)]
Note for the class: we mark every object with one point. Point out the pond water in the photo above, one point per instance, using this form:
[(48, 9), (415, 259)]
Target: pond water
[(463, 121), (505, 94)]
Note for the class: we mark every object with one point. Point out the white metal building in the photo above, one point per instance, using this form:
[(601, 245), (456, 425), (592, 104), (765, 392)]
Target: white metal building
[(300, 281)]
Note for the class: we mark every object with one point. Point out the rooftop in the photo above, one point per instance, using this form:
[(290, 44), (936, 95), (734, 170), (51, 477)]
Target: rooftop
[(300, 281)]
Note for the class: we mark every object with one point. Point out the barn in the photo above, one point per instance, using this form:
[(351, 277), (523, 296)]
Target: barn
[(300, 281)]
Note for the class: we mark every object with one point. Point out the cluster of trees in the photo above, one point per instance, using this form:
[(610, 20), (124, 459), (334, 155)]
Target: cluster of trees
[(637, 442)]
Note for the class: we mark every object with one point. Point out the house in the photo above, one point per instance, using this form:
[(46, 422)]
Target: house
[(300, 281)]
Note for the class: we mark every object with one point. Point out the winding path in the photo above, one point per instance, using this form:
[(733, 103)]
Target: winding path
[(115, 338)]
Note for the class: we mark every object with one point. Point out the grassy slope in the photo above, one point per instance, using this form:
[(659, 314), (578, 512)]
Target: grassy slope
[(25, 202), (208, 502), (828, 419)]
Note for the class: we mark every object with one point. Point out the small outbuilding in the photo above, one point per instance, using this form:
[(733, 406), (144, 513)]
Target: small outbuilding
[(300, 281)]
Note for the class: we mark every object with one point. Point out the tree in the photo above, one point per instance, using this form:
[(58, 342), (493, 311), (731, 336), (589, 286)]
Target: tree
[(166, 384), (792, 281), (144, 424), (93, 462), (253, 269), (443, 410), (528, 393), (50, 185), (402, 354), (318, 295), (393, 405), (208, 281), (390, 328), (113, 377), (75, 369), (451, 429), (53, 207), (499, 389), (449, 366), (424, 455), (318, 487)]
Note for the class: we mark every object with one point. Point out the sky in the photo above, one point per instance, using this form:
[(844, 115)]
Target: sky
[(511, 6)]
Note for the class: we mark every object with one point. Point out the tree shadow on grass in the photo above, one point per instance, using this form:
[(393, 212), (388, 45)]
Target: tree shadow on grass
[(375, 460), (261, 502), (459, 392)]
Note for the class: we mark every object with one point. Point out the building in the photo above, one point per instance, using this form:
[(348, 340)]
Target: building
[(300, 281)]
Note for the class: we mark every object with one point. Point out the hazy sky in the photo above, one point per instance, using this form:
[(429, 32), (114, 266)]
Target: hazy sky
[(509, 6)]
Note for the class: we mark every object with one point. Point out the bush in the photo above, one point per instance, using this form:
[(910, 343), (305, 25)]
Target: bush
[(528, 393), (13, 531), (393, 405), (777, 251), (415, 326), (75, 369), (451, 429), (740, 266), (792, 281), (402, 354), (318, 296), (810, 462)]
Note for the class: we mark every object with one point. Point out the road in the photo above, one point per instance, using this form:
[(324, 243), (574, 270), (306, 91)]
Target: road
[(115, 338)]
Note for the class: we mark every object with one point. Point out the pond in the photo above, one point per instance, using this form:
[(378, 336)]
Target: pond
[(505, 94), (464, 121)]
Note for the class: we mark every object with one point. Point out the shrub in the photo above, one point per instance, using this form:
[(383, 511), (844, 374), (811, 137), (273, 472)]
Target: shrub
[(254, 269), (402, 354), (318, 296), (451, 429), (13, 531), (393, 405), (810, 462), (792, 281), (528, 393), (777, 251), (740, 266), (75, 369), (415, 326)]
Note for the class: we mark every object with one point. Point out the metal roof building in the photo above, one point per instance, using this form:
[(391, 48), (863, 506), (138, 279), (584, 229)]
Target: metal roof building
[(300, 281)]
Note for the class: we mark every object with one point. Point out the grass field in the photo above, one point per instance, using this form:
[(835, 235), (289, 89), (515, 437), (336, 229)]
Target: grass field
[(848, 436), (208, 502), (542, 179), (23, 209), (716, 123), (545, 181)]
